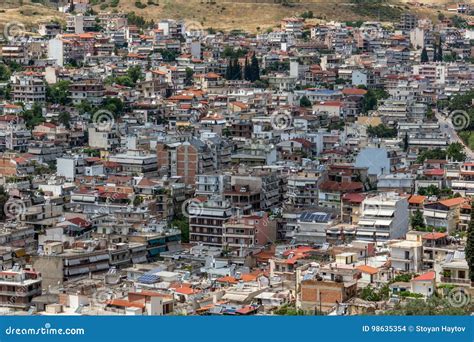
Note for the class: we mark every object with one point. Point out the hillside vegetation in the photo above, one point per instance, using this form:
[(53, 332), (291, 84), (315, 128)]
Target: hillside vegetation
[(249, 15)]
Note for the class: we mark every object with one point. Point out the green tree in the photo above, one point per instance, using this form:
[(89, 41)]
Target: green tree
[(435, 153), (381, 131), (406, 142), (167, 55), (125, 81), (113, 105), (137, 201), (85, 107), (5, 72), (372, 98), (58, 93), (455, 151), (247, 71), (134, 73), (370, 294), (424, 56), (429, 113), (65, 119), (254, 69), (417, 220), (439, 54), (430, 307), (305, 102), (3, 200), (233, 71), (33, 116), (430, 190), (182, 223), (189, 76)]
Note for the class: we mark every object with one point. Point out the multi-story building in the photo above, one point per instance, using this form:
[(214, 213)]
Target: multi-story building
[(303, 188), (185, 160), (311, 227), (384, 217), (136, 162), (87, 90), (206, 221), (28, 87), (248, 231), (444, 214), (407, 256), (18, 287)]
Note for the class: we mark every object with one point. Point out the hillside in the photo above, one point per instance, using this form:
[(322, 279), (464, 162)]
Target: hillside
[(30, 14), (249, 15)]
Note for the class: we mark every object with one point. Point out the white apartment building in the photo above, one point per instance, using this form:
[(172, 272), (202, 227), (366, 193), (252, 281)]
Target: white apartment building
[(407, 256), (384, 217)]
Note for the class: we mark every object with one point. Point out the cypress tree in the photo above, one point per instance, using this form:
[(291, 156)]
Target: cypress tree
[(228, 70), (254, 68), (405, 143), (424, 56), (237, 70), (440, 52), (247, 70)]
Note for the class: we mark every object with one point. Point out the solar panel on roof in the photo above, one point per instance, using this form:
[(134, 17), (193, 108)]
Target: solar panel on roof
[(148, 279)]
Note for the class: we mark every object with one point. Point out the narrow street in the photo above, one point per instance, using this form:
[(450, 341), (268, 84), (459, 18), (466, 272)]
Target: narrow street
[(447, 127)]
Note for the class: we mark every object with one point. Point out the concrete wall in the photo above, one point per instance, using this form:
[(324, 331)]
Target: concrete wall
[(51, 269)]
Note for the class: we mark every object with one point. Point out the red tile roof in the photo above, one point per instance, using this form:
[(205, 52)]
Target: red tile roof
[(368, 269), (434, 236), (425, 277)]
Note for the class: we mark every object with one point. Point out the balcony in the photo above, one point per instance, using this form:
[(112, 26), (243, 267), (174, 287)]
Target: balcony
[(402, 259), (456, 280)]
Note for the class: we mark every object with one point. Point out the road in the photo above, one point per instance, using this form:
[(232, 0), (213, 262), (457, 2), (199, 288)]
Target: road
[(447, 127)]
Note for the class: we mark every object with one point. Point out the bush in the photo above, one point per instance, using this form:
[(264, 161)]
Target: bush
[(138, 4)]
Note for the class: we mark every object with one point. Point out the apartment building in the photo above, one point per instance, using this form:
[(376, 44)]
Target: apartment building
[(444, 214), (18, 286), (407, 256), (249, 231), (383, 217), (303, 188), (206, 221), (87, 90), (28, 87)]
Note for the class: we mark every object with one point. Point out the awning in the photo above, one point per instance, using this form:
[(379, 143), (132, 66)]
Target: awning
[(383, 222), (365, 233), (366, 222)]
